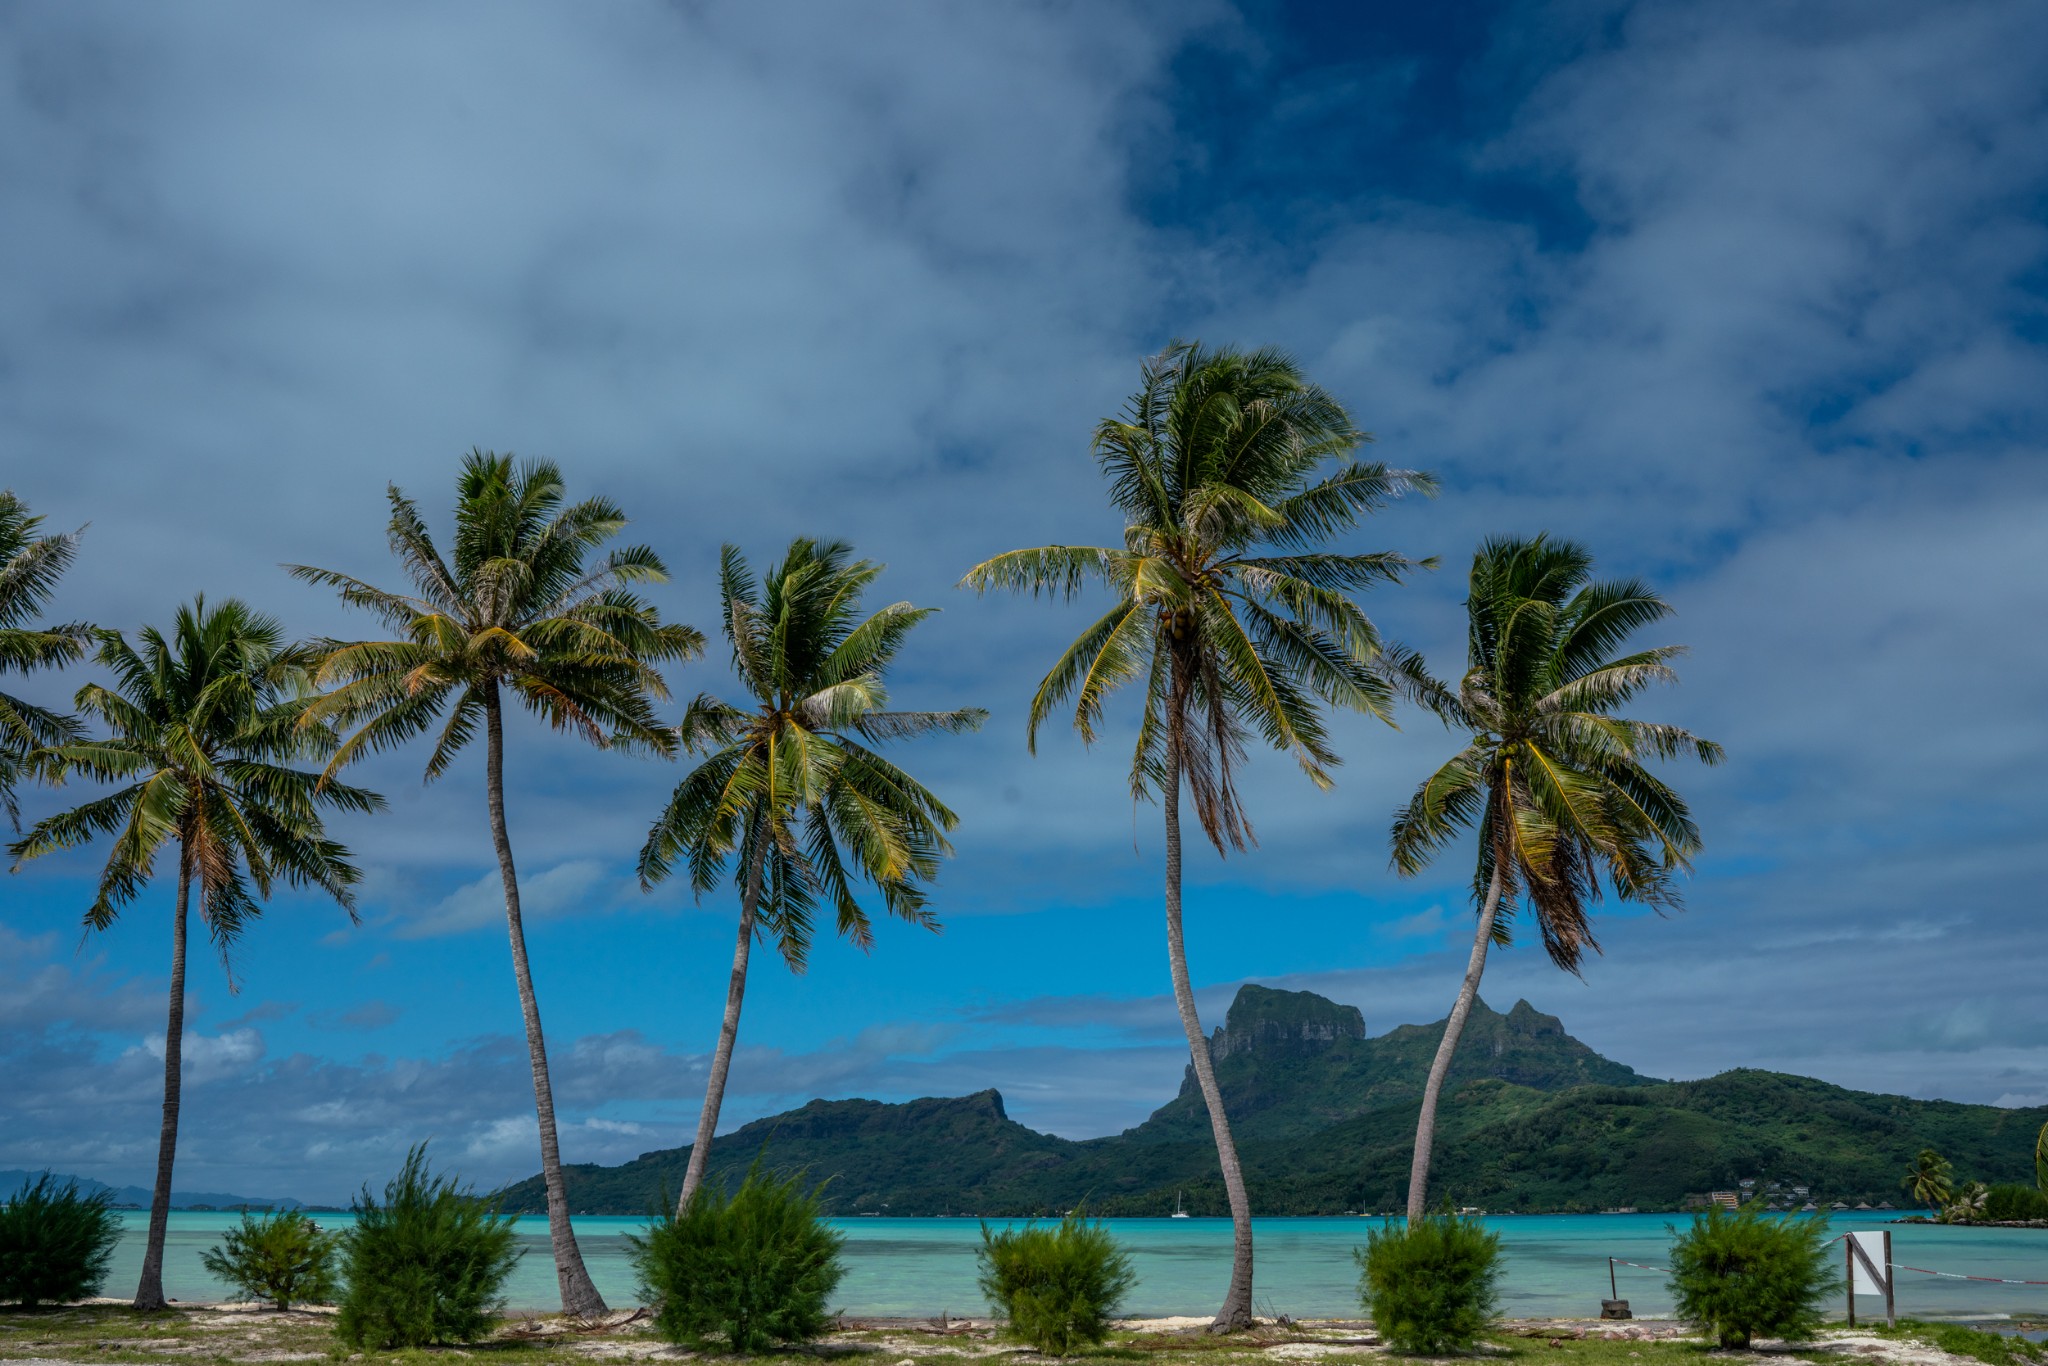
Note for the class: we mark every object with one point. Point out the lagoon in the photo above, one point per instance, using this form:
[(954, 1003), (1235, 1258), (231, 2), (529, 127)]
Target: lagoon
[(1556, 1264)]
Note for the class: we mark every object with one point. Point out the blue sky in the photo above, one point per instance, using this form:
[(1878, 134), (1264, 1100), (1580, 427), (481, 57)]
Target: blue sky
[(1753, 300)]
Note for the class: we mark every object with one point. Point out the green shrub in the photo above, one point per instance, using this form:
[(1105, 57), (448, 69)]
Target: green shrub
[(285, 1258), (55, 1243), (424, 1267), (1057, 1286), (1432, 1286), (1746, 1274), (2015, 1202), (754, 1268)]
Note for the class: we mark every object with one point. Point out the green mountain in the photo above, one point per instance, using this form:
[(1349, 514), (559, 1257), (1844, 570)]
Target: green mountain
[(1292, 1063), (1532, 1119)]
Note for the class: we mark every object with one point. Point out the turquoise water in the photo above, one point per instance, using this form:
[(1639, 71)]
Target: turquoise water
[(1556, 1264)]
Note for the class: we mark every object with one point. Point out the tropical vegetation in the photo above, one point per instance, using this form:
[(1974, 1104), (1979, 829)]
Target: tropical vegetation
[(1931, 1182), (31, 562), (204, 727), (1231, 472), (791, 789), (1230, 605), (1740, 1275), (752, 1269), (281, 1256), (1055, 1287), (55, 1243), (424, 1266), (1551, 776), (1431, 1285), (519, 612)]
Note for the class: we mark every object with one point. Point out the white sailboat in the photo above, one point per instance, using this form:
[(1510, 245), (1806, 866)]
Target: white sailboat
[(1178, 1212)]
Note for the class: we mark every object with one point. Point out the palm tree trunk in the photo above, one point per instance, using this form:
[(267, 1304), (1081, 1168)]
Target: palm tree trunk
[(1236, 1312), (579, 1295), (728, 1031), (1425, 1126), (149, 1292)]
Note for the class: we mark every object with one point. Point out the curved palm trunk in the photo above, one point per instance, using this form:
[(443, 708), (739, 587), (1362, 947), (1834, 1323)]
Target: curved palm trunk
[(1425, 1127), (579, 1295), (1236, 1312), (149, 1292), (729, 1030)]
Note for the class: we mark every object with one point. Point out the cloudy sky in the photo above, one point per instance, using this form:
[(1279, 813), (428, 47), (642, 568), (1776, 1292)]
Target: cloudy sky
[(1751, 298)]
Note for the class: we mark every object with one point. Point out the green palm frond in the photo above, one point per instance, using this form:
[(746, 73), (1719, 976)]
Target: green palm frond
[(1553, 776), (786, 781), (205, 724), (522, 604), (31, 563), (1219, 453)]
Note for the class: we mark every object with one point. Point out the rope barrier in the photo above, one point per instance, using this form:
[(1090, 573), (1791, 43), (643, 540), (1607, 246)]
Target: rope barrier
[(1959, 1276), (1896, 1266)]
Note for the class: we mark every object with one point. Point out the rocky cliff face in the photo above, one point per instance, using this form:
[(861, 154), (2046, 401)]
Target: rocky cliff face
[(1283, 1024)]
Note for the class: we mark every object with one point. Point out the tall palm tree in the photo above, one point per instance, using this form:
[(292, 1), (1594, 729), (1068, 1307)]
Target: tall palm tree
[(204, 728), (789, 781), (520, 608), (1552, 777), (30, 565), (1225, 613)]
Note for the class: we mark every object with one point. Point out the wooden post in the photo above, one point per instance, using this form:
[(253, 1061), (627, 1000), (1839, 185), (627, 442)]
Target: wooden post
[(1880, 1276), (1849, 1265), (1612, 1290), (1891, 1316)]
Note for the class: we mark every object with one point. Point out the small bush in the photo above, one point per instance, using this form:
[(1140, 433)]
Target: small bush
[(285, 1258), (754, 1268), (1432, 1286), (424, 1267), (1746, 1274), (1057, 1286), (55, 1243), (2015, 1202)]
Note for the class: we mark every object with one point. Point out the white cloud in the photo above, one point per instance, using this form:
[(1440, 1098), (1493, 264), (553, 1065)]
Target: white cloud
[(582, 885)]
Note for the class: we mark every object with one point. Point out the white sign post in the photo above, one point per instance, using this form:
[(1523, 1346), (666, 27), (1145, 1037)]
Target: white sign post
[(1870, 1270)]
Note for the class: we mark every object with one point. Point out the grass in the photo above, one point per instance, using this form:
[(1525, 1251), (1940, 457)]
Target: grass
[(209, 1337), (1994, 1349)]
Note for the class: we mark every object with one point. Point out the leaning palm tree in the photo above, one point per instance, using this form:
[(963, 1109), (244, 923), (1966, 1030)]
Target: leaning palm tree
[(1552, 777), (789, 782), (205, 726), (1225, 613), (519, 609), (30, 565), (1931, 1180)]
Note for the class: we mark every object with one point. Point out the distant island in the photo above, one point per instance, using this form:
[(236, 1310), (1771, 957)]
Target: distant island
[(137, 1197), (1534, 1121)]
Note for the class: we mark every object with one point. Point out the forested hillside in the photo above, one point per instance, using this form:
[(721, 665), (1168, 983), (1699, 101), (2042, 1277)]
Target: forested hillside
[(1533, 1120)]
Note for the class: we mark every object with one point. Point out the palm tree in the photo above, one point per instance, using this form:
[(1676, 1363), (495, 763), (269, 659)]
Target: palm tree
[(789, 781), (30, 565), (1931, 1177), (205, 726), (1552, 777), (522, 610), (1225, 613)]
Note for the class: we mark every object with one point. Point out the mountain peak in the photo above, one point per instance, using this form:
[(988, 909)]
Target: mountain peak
[(1278, 1023)]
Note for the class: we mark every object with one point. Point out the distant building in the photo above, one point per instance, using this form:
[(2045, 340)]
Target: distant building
[(1725, 1199), (1747, 1183)]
